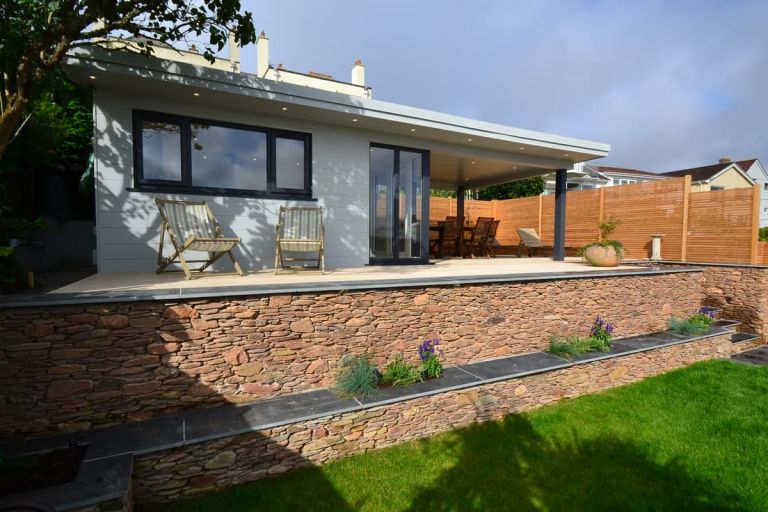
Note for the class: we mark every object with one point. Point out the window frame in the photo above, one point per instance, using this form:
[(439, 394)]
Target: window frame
[(184, 185)]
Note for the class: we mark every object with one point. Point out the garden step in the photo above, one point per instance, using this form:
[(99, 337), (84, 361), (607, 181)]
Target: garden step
[(755, 356), (744, 337)]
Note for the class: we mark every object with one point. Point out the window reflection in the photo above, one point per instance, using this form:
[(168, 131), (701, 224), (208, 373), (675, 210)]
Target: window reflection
[(289, 163), (228, 158), (161, 154)]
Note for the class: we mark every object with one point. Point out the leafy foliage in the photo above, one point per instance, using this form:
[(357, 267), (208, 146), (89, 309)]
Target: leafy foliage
[(430, 359), (764, 234), (36, 34), (606, 228), (599, 339), (521, 188), (694, 325), (400, 373), (432, 367), (358, 377)]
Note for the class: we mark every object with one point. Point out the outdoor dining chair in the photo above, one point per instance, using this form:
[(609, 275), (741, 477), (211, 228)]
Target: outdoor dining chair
[(491, 242), (191, 226), (477, 238), (451, 240), (300, 238)]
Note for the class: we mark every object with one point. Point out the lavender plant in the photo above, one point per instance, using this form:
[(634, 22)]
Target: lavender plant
[(600, 337), (431, 367)]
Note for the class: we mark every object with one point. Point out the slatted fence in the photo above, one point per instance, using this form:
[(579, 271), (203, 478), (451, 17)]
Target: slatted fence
[(716, 227)]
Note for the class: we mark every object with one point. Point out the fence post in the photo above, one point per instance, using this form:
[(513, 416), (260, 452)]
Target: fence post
[(600, 208), (541, 205), (494, 209), (686, 201), (754, 256)]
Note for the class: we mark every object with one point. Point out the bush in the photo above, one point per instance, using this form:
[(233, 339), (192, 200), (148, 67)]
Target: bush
[(764, 234), (600, 337), (357, 377), (691, 326), (400, 373)]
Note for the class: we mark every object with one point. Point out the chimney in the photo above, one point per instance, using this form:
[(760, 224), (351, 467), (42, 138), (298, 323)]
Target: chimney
[(725, 160), (358, 73), (234, 52), (262, 55)]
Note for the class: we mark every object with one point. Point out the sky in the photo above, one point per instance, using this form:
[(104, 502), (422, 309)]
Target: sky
[(669, 84)]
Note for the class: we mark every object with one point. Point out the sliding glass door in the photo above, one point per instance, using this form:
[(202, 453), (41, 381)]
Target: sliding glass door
[(399, 208)]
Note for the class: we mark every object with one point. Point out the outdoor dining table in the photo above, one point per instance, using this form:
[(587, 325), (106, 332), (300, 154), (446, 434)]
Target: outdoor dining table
[(438, 228)]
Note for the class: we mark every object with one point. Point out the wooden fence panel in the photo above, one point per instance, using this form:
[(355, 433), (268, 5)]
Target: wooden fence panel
[(582, 214), (651, 207), (716, 227), (720, 226), (516, 213)]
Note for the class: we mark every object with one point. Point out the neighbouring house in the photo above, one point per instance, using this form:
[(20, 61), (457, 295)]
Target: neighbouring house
[(177, 127), (588, 177), (723, 175)]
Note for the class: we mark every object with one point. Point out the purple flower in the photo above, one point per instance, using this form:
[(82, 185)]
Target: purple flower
[(429, 349), (710, 312)]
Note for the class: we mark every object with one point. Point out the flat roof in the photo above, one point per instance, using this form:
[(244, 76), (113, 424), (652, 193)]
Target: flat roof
[(517, 153)]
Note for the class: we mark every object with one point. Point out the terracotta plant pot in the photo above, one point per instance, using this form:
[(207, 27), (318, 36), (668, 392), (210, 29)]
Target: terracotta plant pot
[(602, 256)]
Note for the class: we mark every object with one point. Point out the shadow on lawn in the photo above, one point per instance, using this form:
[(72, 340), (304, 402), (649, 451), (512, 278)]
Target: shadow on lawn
[(509, 466)]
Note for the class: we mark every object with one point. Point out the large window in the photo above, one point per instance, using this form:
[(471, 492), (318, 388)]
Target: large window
[(177, 154)]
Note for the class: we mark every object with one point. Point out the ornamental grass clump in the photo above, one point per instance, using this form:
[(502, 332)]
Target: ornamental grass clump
[(599, 339), (694, 325), (357, 377), (431, 367), (400, 373)]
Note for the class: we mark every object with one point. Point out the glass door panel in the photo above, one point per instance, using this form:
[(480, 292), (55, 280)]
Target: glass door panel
[(382, 202), (397, 206), (409, 200)]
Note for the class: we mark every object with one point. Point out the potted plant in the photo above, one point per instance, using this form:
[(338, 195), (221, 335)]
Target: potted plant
[(604, 252)]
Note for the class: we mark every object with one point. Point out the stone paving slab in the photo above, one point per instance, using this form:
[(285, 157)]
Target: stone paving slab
[(757, 356), (452, 378), (515, 366)]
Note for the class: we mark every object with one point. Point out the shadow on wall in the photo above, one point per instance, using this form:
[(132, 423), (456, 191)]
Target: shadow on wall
[(129, 225), (504, 465)]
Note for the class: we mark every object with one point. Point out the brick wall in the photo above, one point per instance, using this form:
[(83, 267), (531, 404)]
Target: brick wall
[(72, 368), (217, 464)]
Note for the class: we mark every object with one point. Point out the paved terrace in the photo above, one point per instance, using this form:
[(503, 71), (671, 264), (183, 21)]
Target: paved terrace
[(121, 287)]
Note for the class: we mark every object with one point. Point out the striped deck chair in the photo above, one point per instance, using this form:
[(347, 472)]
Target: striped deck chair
[(300, 234), (191, 226)]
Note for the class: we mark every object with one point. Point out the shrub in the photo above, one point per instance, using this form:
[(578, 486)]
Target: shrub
[(431, 366), (600, 337), (606, 228), (693, 325), (764, 234), (357, 377), (400, 373)]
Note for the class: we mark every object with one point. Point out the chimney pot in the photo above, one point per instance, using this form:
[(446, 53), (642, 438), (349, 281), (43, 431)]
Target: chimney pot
[(262, 55), (725, 160), (358, 73)]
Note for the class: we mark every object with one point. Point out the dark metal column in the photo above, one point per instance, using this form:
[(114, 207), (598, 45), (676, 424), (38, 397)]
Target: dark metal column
[(561, 182), (460, 202)]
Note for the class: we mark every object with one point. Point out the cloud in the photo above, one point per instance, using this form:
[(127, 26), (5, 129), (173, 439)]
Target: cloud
[(667, 84)]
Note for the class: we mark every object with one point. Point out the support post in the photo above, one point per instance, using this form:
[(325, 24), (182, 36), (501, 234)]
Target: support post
[(460, 202), (686, 205), (561, 185)]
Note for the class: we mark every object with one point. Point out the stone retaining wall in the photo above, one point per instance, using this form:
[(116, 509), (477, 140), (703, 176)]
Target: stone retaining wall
[(742, 293), (217, 464), (71, 368)]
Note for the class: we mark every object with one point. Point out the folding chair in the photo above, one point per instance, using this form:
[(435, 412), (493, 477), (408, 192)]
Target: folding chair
[(299, 230), (191, 226)]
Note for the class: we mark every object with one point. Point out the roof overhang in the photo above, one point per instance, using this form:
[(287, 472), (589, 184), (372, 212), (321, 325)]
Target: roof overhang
[(733, 166), (464, 152)]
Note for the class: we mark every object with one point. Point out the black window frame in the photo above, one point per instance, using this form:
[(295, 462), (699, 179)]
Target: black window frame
[(184, 185)]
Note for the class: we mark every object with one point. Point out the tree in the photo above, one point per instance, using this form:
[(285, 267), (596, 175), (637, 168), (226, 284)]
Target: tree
[(36, 34), (521, 188)]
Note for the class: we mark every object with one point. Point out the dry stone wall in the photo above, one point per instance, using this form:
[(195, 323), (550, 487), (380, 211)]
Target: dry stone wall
[(70, 368), (204, 467)]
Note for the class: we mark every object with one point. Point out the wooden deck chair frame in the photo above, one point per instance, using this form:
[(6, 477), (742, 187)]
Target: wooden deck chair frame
[(302, 244), (529, 239), (216, 246)]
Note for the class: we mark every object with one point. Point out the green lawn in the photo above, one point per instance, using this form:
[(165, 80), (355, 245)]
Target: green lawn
[(694, 439)]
